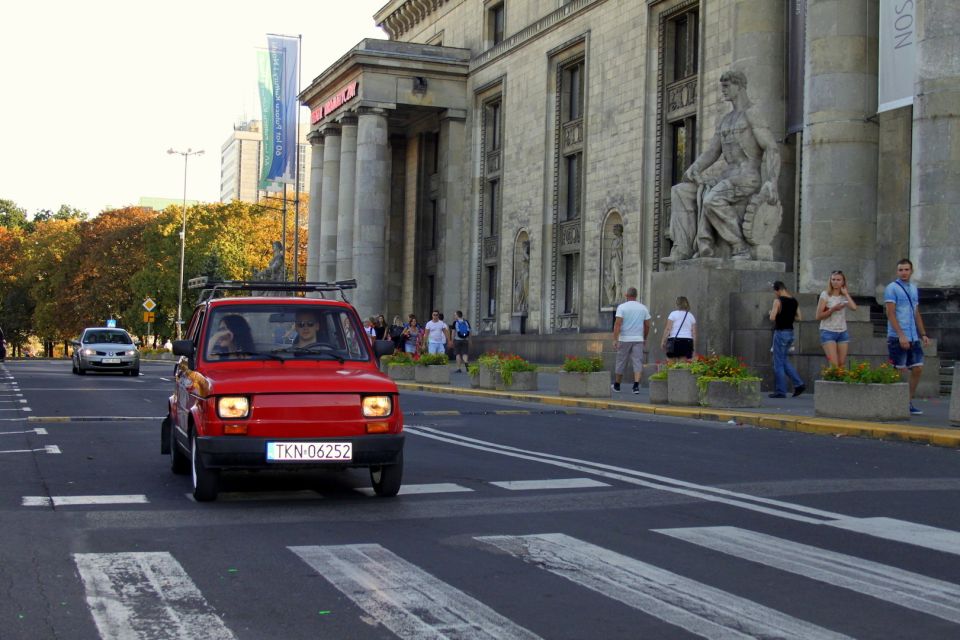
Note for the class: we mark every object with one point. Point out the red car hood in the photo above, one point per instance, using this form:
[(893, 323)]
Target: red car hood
[(275, 377)]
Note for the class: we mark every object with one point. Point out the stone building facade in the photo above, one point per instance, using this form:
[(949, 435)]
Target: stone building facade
[(514, 158)]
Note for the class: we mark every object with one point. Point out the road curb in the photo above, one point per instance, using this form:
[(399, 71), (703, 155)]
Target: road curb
[(936, 436)]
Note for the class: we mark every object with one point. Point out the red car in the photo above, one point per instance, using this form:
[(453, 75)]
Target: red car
[(281, 382)]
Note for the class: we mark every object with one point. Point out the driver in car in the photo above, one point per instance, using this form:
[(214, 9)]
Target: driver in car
[(307, 324)]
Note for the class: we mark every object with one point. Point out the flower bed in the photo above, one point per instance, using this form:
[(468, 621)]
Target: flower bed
[(862, 392), (432, 368), (725, 381), (497, 370), (399, 366), (584, 376), (659, 390)]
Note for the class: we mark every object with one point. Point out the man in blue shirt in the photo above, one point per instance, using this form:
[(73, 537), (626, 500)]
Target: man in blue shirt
[(906, 335)]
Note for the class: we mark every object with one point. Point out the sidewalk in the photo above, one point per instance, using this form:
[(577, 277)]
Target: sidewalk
[(792, 414)]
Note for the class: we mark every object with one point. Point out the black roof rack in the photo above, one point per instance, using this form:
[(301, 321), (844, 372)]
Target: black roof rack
[(209, 288)]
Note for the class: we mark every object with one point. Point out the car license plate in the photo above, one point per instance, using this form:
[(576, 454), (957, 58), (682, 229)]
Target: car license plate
[(309, 451), (111, 361)]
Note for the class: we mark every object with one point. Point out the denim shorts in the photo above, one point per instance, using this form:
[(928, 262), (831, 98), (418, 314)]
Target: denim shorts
[(834, 336), (905, 358)]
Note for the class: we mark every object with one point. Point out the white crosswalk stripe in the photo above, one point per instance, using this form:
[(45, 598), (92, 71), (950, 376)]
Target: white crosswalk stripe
[(405, 599), (900, 587), (146, 595), (691, 605)]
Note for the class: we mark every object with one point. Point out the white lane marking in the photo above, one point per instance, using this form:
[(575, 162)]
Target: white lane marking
[(253, 496), (50, 448), (146, 595), (903, 531), (897, 586), (40, 431), (68, 501), (887, 528), (418, 489), (404, 598), (21, 401), (558, 483), (698, 608)]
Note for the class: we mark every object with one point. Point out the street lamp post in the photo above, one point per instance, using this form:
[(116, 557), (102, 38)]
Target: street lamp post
[(183, 233)]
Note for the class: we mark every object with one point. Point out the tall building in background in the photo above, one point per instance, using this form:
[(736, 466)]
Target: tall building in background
[(240, 163)]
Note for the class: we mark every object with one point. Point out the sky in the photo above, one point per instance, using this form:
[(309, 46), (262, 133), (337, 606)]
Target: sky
[(95, 92)]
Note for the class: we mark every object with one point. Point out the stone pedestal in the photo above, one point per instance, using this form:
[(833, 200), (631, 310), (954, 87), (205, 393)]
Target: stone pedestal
[(432, 374), (862, 401), (682, 388), (709, 284)]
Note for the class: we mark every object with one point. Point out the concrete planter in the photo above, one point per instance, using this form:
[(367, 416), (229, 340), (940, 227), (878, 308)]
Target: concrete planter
[(658, 392), (590, 385), (862, 401), (400, 372), (521, 381), (432, 374), (955, 396), (733, 393), (488, 378), (682, 387)]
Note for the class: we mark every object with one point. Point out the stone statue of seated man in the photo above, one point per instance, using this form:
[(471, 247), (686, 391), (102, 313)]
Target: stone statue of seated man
[(741, 207)]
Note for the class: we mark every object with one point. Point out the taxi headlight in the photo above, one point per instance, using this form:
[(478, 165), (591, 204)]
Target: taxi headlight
[(233, 407), (377, 406)]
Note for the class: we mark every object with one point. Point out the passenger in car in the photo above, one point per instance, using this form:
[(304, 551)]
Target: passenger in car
[(233, 338)]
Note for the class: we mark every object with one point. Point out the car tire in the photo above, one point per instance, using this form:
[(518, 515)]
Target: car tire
[(205, 481), (135, 372), (179, 461), (387, 478), (81, 371)]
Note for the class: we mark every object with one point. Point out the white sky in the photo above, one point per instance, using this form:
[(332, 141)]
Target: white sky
[(95, 92)]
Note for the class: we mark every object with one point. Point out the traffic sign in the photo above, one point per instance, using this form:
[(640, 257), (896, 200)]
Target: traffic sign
[(149, 316), (149, 304)]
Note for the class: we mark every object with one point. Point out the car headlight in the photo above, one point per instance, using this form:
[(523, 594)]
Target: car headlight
[(233, 407), (89, 352), (377, 406)]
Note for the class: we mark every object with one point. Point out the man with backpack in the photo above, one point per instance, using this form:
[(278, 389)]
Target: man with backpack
[(461, 341)]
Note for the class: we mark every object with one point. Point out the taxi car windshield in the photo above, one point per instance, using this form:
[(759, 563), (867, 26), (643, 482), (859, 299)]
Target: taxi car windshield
[(284, 331)]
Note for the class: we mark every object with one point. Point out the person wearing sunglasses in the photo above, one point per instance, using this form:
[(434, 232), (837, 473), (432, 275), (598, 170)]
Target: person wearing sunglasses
[(306, 323)]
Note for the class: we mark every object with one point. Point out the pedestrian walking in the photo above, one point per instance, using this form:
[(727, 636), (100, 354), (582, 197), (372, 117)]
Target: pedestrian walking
[(783, 314), (832, 314), (906, 335), (412, 334), (630, 330), (380, 328), (395, 333), (461, 341), (680, 334), (438, 335)]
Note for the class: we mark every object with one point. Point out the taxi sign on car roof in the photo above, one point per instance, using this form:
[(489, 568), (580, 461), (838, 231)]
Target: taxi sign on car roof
[(209, 288)]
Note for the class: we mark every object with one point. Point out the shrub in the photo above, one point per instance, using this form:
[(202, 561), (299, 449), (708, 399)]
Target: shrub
[(400, 358), (720, 368), (474, 370), (659, 375), (510, 363), (428, 359), (586, 364), (862, 373)]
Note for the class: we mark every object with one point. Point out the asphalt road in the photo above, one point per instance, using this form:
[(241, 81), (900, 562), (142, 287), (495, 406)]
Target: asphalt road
[(515, 521)]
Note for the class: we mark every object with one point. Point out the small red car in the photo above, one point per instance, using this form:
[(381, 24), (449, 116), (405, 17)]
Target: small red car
[(281, 382)]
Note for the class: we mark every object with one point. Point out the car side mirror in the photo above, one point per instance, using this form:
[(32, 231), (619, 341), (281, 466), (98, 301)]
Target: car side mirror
[(383, 348), (183, 348)]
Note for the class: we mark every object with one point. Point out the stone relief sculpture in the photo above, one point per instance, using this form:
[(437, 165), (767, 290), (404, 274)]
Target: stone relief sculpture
[(613, 274), (521, 282), (740, 209)]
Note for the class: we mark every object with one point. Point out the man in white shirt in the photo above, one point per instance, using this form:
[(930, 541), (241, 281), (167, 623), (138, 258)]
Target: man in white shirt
[(438, 335), (630, 331)]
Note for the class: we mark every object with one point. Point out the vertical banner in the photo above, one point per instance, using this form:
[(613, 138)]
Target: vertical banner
[(284, 69), (265, 85), (897, 53), (796, 61)]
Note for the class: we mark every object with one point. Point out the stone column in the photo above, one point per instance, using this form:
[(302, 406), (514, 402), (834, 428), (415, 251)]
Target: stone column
[(370, 219), (316, 191), (452, 210), (348, 185), (935, 191), (328, 204), (839, 176)]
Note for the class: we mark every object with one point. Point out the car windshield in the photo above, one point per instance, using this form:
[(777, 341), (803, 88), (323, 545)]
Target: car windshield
[(284, 331), (106, 336)]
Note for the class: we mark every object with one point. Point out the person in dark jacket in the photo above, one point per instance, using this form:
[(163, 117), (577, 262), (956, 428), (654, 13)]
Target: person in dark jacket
[(783, 314)]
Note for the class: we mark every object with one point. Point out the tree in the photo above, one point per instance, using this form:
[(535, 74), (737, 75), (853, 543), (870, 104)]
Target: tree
[(12, 216)]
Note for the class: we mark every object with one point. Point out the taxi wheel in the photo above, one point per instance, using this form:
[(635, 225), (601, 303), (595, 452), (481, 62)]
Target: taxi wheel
[(205, 480), (179, 462), (386, 479)]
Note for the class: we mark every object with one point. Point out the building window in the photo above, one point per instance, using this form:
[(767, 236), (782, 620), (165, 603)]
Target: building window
[(493, 125), (491, 305), (431, 292), (684, 45), (493, 208), (435, 151), (570, 268), (572, 186), (573, 90), (434, 224), (496, 20)]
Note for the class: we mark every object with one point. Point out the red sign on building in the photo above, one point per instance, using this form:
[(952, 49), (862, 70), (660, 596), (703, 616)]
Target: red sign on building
[(339, 99)]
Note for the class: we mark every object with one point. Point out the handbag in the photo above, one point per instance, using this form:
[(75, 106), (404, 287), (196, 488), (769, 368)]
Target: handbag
[(672, 340)]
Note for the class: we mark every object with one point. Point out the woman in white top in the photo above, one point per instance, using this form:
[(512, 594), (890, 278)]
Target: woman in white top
[(831, 312), (682, 327)]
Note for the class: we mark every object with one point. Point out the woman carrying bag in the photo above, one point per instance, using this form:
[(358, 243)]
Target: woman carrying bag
[(680, 333)]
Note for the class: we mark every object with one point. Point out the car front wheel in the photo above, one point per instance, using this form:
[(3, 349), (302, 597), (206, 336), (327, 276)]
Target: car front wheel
[(205, 480), (386, 479)]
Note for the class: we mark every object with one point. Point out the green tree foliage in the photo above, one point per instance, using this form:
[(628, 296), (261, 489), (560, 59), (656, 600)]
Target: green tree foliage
[(12, 216)]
